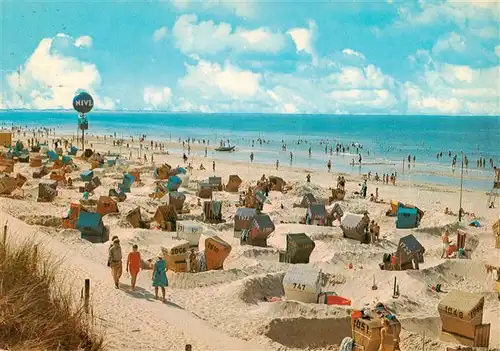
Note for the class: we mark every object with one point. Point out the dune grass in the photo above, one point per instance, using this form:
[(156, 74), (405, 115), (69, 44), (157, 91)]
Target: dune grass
[(36, 312)]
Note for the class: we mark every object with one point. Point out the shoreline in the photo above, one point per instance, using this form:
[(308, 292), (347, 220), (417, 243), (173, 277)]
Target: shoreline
[(380, 155), (175, 148)]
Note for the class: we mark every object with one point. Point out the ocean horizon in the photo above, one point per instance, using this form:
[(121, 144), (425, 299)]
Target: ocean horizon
[(386, 139)]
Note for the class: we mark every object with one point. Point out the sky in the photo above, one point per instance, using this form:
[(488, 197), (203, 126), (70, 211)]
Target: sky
[(332, 57)]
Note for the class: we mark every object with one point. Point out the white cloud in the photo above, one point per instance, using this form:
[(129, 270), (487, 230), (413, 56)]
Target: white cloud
[(369, 77), (460, 12), (351, 52), (460, 49), (334, 87), (477, 18), (367, 99), (157, 96), (454, 89), (211, 87), (208, 37), (213, 81), (304, 39), (486, 31), (452, 41), (160, 34), (49, 78), (241, 8), (84, 41)]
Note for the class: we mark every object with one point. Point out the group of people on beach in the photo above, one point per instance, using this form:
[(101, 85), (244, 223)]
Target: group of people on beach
[(133, 267)]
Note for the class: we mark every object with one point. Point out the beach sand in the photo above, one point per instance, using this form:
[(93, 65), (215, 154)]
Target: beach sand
[(226, 309)]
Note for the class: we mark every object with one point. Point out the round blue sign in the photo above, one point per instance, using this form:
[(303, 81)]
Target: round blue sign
[(83, 103)]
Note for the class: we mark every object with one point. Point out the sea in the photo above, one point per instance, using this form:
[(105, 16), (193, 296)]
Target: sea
[(384, 141)]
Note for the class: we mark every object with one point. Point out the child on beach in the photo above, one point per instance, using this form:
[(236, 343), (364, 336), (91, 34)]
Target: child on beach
[(133, 265)]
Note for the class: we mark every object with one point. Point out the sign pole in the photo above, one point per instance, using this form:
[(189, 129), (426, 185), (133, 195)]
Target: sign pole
[(83, 135), (83, 103), (461, 187)]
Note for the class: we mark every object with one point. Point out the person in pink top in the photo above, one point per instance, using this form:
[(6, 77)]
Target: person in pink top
[(133, 265)]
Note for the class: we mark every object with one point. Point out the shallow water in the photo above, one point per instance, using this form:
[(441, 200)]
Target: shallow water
[(387, 139)]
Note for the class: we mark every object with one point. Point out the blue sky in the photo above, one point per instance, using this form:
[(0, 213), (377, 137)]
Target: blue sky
[(425, 57)]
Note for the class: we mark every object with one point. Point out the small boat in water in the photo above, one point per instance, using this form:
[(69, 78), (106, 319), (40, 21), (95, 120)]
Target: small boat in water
[(225, 148)]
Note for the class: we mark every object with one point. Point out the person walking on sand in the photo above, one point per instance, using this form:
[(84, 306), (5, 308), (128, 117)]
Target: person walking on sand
[(329, 165), (277, 164), (133, 265), (251, 157), (213, 166), (159, 277), (115, 261)]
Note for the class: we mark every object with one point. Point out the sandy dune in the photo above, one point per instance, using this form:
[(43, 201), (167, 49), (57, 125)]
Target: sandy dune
[(226, 310)]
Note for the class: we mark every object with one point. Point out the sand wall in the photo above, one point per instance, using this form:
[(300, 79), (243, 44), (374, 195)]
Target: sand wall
[(308, 332)]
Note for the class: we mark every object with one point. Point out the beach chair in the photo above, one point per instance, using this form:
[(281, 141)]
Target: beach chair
[(47, 192), (233, 183), (72, 151), (126, 183), (91, 227), (87, 176), (258, 230), (135, 219), (242, 219), (298, 248), (40, 172), (35, 161), (53, 156), (212, 211), (106, 205), (6, 165), (174, 182), (176, 199), (216, 252), (355, 227), (166, 217), (316, 215), (407, 218), (7, 185)]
